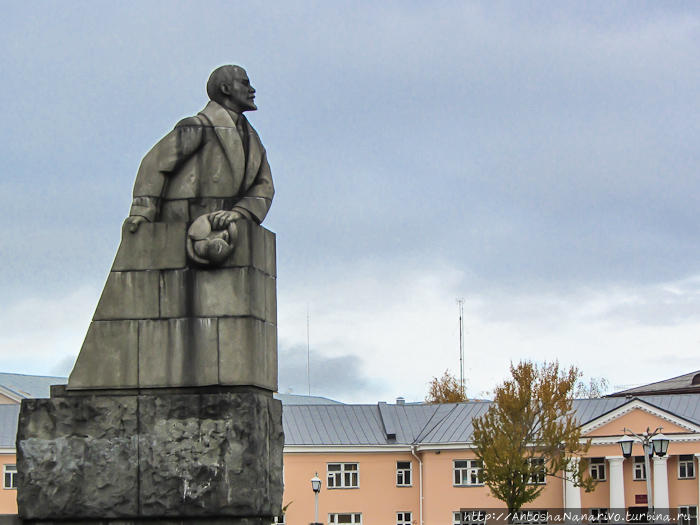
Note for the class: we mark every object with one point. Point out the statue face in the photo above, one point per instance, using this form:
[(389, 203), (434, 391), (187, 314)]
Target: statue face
[(240, 94)]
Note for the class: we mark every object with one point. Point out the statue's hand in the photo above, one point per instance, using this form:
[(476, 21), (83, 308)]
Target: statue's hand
[(133, 222), (222, 218)]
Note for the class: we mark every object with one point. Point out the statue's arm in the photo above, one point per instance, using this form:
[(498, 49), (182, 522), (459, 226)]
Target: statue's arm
[(256, 202), (163, 159)]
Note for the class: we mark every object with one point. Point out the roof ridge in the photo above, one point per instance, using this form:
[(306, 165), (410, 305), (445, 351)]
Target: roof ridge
[(657, 382)]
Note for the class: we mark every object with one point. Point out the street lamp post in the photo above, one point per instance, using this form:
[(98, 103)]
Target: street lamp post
[(652, 443), (316, 487)]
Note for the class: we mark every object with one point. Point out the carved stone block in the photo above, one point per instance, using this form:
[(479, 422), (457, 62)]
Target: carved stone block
[(109, 356), (171, 342), (178, 352), (247, 352), (154, 246), (229, 291), (129, 295), (255, 248), (176, 289)]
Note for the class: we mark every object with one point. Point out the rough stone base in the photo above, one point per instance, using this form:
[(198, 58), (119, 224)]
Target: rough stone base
[(136, 457)]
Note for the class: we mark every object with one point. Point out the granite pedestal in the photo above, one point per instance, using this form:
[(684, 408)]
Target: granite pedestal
[(144, 456)]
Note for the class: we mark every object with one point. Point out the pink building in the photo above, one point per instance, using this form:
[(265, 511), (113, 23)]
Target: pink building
[(413, 463)]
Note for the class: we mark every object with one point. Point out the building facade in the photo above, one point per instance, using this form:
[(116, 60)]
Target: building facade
[(414, 464), (401, 464)]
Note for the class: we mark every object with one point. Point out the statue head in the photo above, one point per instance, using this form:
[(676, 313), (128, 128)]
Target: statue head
[(229, 86)]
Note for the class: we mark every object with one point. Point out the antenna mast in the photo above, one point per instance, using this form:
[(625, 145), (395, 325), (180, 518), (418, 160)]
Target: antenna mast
[(308, 352), (460, 302)]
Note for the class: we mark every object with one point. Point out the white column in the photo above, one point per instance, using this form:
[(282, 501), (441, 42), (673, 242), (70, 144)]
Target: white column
[(572, 494), (697, 475), (617, 483), (660, 482)]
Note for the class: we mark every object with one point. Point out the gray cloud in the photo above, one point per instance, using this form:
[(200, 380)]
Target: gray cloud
[(539, 150), (539, 147), (338, 377)]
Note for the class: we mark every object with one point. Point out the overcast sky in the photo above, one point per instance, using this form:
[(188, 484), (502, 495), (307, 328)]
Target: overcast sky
[(539, 160)]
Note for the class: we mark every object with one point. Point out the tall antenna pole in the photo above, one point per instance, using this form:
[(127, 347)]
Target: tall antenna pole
[(460, 302), (308, 351)]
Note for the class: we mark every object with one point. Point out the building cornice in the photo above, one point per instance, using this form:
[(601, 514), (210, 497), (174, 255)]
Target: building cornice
[(675, 438), (637, 404), (11, 394), (349, 449)]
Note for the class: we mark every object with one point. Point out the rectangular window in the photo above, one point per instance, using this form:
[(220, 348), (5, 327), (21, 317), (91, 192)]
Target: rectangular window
[(10, 477), (343, 476), (688, 515), (279, 520), (600, 516), (537, 471), (686, 466), (354, 517), (467, 472), (403, 518), (403, 473), (640, 472), (597, 469), (530, 517)]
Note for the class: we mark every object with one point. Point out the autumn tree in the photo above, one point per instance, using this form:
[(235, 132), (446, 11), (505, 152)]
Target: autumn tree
[(529, 433), (445, 389)]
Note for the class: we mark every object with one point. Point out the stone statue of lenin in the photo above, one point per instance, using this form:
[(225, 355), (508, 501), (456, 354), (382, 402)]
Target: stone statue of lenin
[(213, 162), (168, 415), (191, 298)]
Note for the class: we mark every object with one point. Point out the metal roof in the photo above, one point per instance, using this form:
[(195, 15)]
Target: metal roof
[(385, 424), (680, 384), (297, 399), (30, 386), (9, 415)]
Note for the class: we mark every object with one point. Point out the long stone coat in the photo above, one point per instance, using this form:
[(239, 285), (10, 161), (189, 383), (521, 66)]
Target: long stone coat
[(201, 167)]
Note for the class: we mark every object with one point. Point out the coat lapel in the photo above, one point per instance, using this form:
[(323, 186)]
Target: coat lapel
[(229, 139), (254, 155)]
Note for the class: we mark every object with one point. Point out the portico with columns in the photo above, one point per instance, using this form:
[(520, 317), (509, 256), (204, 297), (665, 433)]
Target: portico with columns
[(620, 489)]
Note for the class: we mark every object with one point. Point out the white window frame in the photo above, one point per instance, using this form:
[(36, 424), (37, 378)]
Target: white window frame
[(538, 478), (639, 470), (599, 515), (404, 517), (691, 515), (469, 474), (11, 470), (597, 469), (355, 518), (276, 520), (686, 466), (401, 474), (332, 476)]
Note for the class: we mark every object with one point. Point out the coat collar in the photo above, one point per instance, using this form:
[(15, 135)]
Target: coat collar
[(225, 129), (218, 115)]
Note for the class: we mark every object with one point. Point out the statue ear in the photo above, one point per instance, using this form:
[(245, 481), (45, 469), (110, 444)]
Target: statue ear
[(225, 88)]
